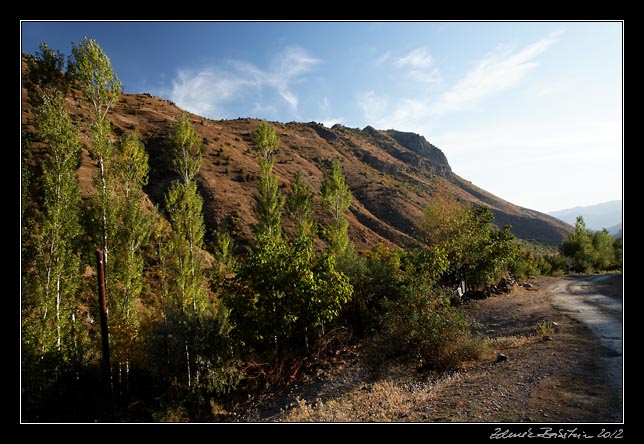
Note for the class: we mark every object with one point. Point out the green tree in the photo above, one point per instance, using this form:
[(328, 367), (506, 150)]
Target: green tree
[(188, 298), (131, 237), (187, 150), (336, 199), (578, 247), (617, 253), (285, 294), (419, 321), (477, 254), (184, 206), (604, 255), (50, 299), (268, 200), (92, 71), (45, 74), (299, 205)]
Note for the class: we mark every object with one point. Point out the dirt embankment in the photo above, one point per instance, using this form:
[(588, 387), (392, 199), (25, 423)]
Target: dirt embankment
[(561, 379)]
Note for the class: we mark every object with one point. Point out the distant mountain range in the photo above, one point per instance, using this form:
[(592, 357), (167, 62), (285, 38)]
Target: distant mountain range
[(604, 215)]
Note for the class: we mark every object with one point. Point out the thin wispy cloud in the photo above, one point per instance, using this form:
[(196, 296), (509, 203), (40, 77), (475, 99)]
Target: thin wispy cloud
[(206, 91), (498, 71), (419, 65), (419, 58)]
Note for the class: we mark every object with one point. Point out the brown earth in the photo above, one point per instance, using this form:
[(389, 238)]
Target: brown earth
[(542, 381)]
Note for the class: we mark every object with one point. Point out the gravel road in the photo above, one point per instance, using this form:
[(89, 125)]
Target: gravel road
[(582, 297)]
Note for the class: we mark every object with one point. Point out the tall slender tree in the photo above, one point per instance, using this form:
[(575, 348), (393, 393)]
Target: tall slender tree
[(133, 233), (336, 198), (184, 206), (92, 71), (299, 205), (188, 290), (268, 200), (56, 274)]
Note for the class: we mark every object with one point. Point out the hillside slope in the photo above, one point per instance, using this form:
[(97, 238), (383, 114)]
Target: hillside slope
[(392, 174)]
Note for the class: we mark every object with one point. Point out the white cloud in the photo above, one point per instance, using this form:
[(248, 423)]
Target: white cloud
[(497, 72), (205, 91), (419, 65), (332, 121), (419, 58)]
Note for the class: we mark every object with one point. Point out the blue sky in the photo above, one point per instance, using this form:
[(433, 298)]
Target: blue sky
[(530, 111)]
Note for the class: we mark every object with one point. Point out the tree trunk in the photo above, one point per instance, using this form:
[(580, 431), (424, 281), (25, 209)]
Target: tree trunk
[(58, 313), (188, 363)]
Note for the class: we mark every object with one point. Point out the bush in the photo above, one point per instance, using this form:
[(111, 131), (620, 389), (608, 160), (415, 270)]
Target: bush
[(428, 329), (374, 277), (284, 295)]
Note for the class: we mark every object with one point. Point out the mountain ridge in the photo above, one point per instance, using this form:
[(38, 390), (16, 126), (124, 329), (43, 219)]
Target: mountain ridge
[(392, 174), (597, 216)]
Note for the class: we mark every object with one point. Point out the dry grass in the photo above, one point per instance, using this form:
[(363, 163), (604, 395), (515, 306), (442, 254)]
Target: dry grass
[(388, 400)]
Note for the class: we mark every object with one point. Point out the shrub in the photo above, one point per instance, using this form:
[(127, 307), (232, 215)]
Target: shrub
[(428, 329), (284, 295)]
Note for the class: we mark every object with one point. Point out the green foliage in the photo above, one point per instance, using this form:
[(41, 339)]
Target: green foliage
[(92, 72), (53, 278), (187, 151), (578, 247), (132, 235), (55, 341), (91, 69), (477, 253), (604, 256), (268, 200), (223, 251), (46, 77), (188, 285), (133, 166), (299, 206), (266, 141), (375, 276), (421, 322), (585, 250), (618, 252), (528, 263), (283, 295), (336, 199)]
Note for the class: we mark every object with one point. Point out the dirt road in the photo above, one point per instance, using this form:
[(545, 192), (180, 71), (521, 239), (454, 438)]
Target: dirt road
[(583, 298)]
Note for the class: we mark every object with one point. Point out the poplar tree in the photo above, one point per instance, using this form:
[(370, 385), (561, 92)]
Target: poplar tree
[(51, 299), (336, 199), (93, 73), (299, 205), (133, 233), (268, 200), (184, 207)]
